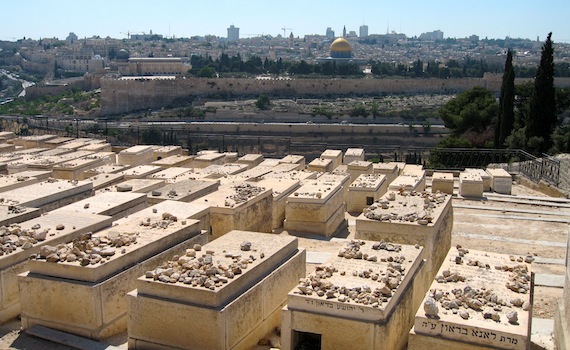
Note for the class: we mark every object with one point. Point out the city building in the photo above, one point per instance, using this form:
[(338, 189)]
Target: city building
[(432, 36), (363, 31), (341, 52), (233, 34), (330, 33)]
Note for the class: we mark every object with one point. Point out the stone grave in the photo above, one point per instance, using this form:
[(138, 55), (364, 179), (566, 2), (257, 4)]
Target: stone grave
[(134, 185), (174, 161), (136, 155), (337, 176), (411, 218), (183, 191), (470, 185), (353, 154), (13, 214), (334, 155), (41, 175), (358, 167), (49, 195), (226, 295), (106, 169), (364, 191), (479, 300), (562, 310), (484, 176), (114, 204), (7, 135), (28, 238), (104, 180), (170, 173), (162, 152), (56, 142), (360, 299), (97, 147), (293, 175), (294, 159), (442, 182), (140, 171), (282, 189), (181, 210), (74, 169), (7, 147), (321, 165), (316, 207), (407, 183), (33, 141), (80, 287), (205, 160), (55, 152), (241, 206), (251, 160), (501, 180), (10, 182), (218, 171)]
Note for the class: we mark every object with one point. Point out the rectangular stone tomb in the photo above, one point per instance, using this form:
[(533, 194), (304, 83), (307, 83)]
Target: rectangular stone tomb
[(353, 154), (140, 171), (294, 159), (358, 167), (74, 169), (282, 189), (479, 300), (136, 155), (251, 160), (334, 155), (208, 159), (501, 180), (181, 210), (116, 205), (56, 142), (174, 161), (218, 171), (183, 191), (234, 308), (52, 229), (408, 183), (364, 191), (136, 185), (442, 182), (425, 219), (104, 180), (316, 207), (470, 185), (162, 152), (10, 182), (362, 298), (169, 174), (484, 176), (321, 165), (86, 295), (13, 214), (97, 147), (242, 206), (50, 194)]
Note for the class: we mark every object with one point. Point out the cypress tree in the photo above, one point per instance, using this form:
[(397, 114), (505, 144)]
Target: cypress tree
[(542, 116), (506, 120)]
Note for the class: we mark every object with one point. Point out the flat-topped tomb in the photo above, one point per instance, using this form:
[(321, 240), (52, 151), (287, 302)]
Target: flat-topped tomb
[(470, 185), (140, 171), (161, 152), (136, 155), (353, 154), (205, 160), (170, 173), (114, 204), (92, 275), (174, 161), (321, 165), (226, 295), (501, 180), (362, 298), (442, 182), (358, 167), (252, 160), (364, 191), (49, 194), (334, 155), (294, 159), (484, 176), (183, 191), (479, 300)]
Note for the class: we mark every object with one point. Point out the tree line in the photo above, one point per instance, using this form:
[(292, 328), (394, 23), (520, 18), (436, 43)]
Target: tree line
[(528, 116)]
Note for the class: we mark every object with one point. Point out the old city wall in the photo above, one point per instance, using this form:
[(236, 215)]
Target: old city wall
[(123, 96)]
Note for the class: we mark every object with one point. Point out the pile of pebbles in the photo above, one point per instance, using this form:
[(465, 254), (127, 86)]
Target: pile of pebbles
[(468, 300), (88, 249), (202, 269), (366, 294), (13, 237), (406, 207), (243, 193)]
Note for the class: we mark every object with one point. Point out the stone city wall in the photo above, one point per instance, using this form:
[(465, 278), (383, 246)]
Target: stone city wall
[(123, 96)]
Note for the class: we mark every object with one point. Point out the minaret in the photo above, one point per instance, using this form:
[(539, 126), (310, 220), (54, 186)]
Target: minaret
[(344, 32)]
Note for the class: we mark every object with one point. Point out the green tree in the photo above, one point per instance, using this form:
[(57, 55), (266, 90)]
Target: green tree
[(506, 120), (542, 119), (263, 102), (206, 72), (471, 116)]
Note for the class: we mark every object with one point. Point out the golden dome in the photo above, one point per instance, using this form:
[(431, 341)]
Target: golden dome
[(340, 45)]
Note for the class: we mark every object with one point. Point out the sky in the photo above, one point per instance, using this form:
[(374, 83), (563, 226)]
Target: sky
[(184, 18)]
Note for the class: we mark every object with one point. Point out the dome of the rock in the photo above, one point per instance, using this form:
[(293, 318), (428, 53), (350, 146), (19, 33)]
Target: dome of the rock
[(340, 48)]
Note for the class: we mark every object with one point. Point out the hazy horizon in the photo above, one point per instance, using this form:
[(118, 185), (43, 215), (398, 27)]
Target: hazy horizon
[(488, 19)]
